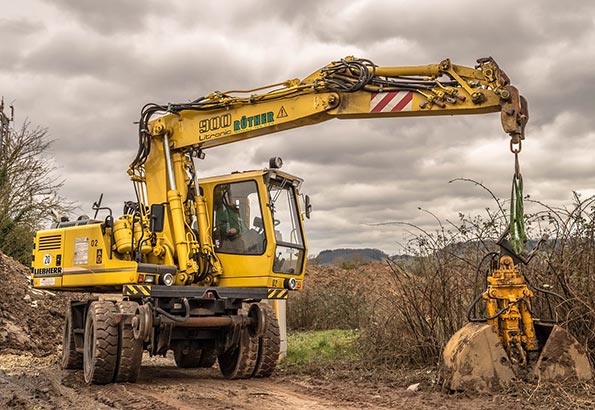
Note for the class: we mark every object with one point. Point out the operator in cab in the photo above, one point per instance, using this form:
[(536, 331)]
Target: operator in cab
[(229, 225)]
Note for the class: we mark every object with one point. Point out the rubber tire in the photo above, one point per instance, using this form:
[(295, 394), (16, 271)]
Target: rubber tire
[(240, 362), (208, 357), (269, 344), (188, 360), (130, 355), (101, 343), (71, 359), (205, 357)]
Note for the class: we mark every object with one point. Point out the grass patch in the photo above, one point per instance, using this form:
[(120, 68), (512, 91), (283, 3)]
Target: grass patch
[(321, 347)]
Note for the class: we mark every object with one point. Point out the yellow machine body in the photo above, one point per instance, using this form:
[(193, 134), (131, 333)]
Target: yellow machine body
[(83, 256), (74, 257)]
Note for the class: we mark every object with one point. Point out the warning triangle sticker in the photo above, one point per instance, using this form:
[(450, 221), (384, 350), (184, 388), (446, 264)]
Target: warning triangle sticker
[(282, 113)]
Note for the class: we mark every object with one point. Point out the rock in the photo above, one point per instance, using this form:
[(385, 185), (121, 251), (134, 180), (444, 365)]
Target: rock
[(413, 387), (27, 298)]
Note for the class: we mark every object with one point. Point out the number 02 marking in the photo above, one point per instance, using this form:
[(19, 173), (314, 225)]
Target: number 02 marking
[(94, 242)]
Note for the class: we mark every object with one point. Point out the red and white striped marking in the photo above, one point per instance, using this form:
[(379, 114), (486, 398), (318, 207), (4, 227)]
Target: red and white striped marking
[(391, 102)]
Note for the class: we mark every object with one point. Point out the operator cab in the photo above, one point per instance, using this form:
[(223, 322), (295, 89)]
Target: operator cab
[(257, 228)]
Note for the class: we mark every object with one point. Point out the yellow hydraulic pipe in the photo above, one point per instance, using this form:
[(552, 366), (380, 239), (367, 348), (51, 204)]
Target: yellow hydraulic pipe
[(531, 343), (177, 216), (431, 70)]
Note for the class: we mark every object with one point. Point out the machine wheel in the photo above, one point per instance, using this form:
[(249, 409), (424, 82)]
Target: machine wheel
[(71, 359), (268, 344), (186, 357), (100, 355), (208, 357), (239, 363), (130, 355)]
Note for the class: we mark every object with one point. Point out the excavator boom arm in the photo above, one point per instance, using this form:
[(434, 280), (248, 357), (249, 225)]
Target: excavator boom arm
[(349, 88)]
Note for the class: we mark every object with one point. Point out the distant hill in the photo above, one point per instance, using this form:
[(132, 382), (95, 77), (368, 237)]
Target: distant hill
[(349, 256), (355, 256)]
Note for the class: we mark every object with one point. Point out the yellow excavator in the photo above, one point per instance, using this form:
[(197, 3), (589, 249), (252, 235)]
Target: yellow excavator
[(194, 260)]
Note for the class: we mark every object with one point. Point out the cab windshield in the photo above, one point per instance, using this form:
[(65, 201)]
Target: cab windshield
[(290, 249)]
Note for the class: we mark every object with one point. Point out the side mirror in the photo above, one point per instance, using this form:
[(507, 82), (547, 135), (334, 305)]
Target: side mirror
[(157, 218), (307, 206)]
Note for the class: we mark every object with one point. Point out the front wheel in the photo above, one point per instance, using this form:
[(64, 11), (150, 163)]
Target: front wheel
[(240, 362), (268, 344)]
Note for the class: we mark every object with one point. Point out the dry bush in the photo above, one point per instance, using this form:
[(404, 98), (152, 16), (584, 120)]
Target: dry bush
[(408, 312), (330, 300), (432, 292), (429, 296), (563, 273)]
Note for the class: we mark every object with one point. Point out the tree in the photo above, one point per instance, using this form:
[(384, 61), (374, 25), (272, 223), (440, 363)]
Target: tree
[(28, 189)]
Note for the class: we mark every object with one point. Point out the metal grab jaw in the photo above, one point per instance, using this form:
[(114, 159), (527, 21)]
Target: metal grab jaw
[(508, 303), (508, 307), (509, 343)]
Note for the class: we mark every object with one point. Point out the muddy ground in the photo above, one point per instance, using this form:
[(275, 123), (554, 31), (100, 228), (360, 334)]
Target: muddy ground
[(30, 377), (27, 382)]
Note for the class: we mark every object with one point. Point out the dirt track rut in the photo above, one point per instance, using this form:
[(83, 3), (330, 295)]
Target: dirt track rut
[(160, 386)]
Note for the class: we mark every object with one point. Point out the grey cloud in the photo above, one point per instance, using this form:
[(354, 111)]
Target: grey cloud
[(19, 27), (15, 34), (108, 16), (67, 56)]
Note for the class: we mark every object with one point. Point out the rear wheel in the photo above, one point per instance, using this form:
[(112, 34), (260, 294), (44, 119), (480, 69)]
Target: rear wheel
[(268, 344), (208, 357), (186, 357), (130, 353), (101, 343), (71, 359)]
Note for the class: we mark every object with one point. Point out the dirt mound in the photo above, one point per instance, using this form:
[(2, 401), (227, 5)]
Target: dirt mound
[(31, 320), (375, 276)]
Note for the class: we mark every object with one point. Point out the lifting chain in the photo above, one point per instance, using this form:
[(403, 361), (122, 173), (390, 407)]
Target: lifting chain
[(516, 228)]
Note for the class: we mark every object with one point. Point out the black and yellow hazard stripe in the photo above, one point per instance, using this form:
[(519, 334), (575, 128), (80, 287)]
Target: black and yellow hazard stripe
[(137, 290), (277, 294)]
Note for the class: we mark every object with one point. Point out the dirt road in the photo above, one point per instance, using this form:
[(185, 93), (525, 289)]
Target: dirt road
[(32, 383)]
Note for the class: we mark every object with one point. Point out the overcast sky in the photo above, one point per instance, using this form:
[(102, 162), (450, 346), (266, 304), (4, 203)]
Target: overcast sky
[(84, 69)]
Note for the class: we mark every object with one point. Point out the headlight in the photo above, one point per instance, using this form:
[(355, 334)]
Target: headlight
[(167, 279), (290, 283)]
